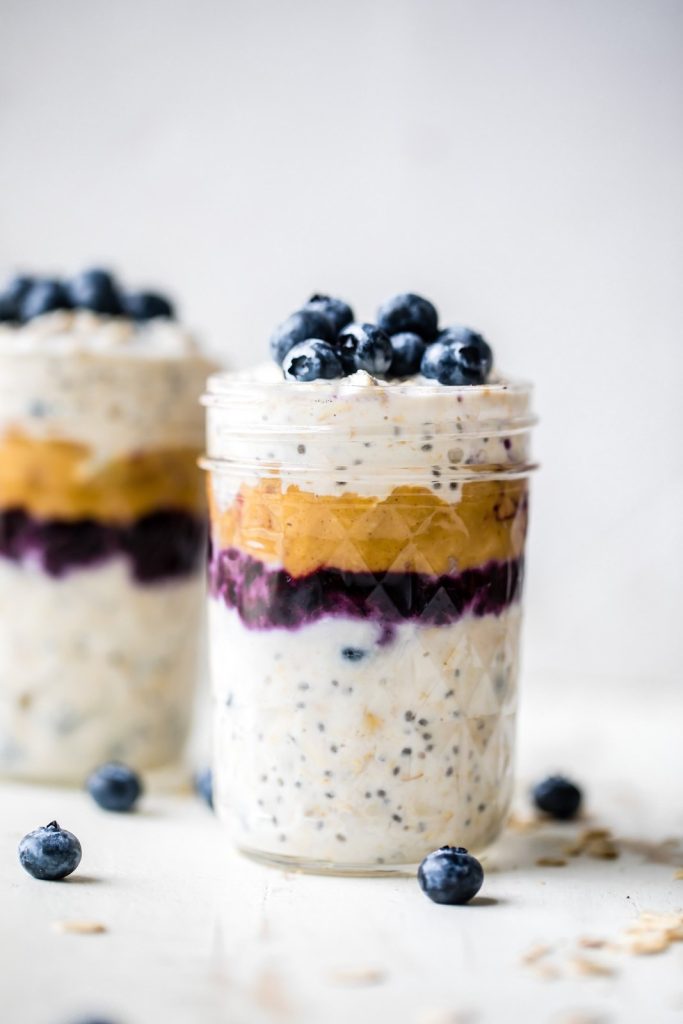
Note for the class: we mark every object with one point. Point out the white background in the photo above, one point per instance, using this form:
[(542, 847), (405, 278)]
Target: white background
[(519, 163)]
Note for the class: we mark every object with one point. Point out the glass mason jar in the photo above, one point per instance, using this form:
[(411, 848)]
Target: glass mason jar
[(102, 544), (365, 600)]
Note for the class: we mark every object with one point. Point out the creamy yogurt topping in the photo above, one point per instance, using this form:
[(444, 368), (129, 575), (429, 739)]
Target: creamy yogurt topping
[(382, 433), (64, 332), (109, 383)]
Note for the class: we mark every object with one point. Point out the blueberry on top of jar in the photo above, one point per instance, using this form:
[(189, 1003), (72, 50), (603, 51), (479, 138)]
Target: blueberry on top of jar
[(45, 295), (300, 326), (408, 349), (365, 347), (408, 312), (96, 290), (147, 306), (310, 360), (12, 296), (458, 357), (338, 312)]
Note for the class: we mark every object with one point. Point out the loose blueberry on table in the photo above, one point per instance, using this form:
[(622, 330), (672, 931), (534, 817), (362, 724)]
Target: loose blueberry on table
[(114, 787), (450, 875), (50, 853), (93, 1020), (321, 341), (558, 797)]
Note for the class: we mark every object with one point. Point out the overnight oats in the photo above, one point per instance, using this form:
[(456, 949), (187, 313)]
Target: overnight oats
[(102, 528), (368, 518)]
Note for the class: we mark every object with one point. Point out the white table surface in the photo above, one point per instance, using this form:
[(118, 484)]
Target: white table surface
[(195, 934)]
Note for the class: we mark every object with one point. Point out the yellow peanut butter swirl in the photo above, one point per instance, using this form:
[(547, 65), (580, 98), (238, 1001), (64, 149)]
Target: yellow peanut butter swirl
[(59, 479), (411, 530)]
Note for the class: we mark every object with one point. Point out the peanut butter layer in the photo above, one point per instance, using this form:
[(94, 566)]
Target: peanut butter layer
[(412, 530), (58, 479)]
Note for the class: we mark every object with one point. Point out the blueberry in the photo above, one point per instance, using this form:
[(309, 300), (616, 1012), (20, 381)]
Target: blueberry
[(114, 787), (300, 326), (50, 853), (557, 797), (408, 313), (147, 306), (450, 875), (312, 360), (43, 296), (353, 653), (95, 290), (12, 295), (458, 362), (203, 783), (365, 347), (338, 312), (408, 351), (93, 1020), (459, 334)]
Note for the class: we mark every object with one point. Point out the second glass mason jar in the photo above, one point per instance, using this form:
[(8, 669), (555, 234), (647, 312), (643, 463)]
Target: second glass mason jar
[(365, 600), (102, 542)]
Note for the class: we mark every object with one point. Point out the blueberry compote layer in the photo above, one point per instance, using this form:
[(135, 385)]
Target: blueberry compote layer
[(163, 545), (266, 598)]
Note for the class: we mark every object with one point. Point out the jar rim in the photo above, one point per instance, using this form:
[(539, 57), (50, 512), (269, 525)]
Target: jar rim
[(228, 384)]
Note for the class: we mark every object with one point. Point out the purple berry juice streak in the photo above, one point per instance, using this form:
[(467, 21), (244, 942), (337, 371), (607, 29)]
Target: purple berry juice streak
[(162, 545), (270, 598)]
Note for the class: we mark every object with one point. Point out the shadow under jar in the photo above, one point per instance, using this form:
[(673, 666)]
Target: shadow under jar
[(365, 601), (102, 544)]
